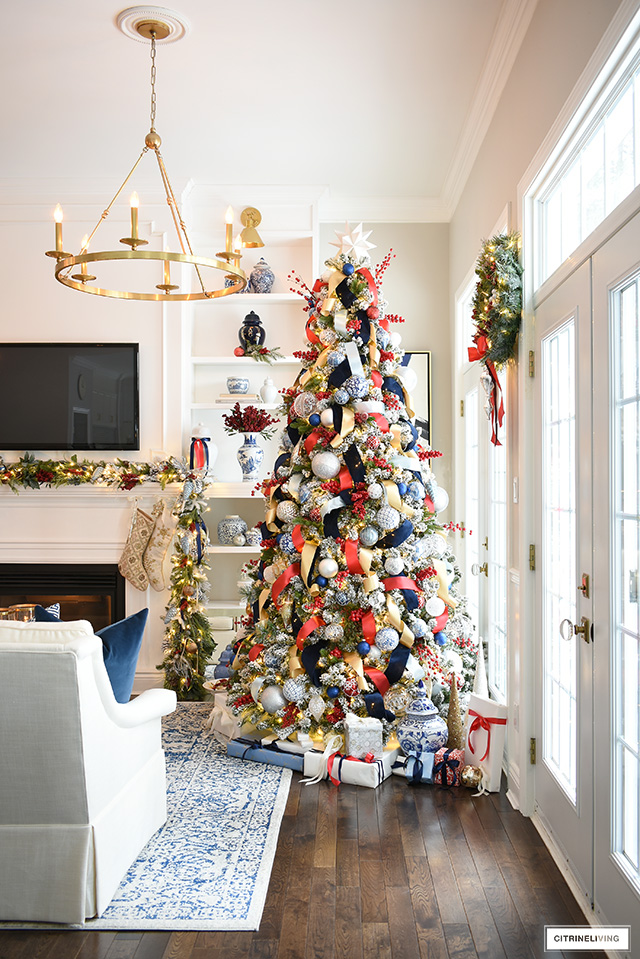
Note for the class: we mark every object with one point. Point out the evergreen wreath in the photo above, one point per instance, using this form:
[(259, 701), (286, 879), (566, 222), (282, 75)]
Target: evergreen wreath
[(497, 302), (188, 643)]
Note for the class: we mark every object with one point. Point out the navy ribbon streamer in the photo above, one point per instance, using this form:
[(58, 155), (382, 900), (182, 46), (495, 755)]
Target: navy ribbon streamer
[(201, 538), (330, 522), (282, 460), (354, 462), (376, 707), (309, 658), (344, 294), (199, 441), (397, 663), (391, 385), (397, 536), (339, 374), (442, 767)]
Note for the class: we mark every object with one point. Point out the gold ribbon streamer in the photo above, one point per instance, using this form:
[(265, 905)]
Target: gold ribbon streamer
[(306, 559), (396, 434), (295, 666), (443, 590), (348, 423), (394, 499), (265, 595), (355, 661), (370, 583), (393, 615)]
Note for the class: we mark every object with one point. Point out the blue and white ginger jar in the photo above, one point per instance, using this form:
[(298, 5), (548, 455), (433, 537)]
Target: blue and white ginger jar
[(250, 457), (423, 730), (229, 527), (262, 277)]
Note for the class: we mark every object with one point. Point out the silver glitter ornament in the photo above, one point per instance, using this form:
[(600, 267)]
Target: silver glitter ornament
[(287, 511), (304, 404), (375, 491), (393, 565), (334, 632), (316, 707), (325, 465), (272, 699), (327, 336)]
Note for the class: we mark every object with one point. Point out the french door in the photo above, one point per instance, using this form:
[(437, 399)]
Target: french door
[(564, 774), (587, 779)]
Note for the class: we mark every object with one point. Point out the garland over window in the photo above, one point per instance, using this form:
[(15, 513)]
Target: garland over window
[(496, 314), (188, 645)]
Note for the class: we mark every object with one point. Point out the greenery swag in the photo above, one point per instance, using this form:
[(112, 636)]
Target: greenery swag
[(497, 303)]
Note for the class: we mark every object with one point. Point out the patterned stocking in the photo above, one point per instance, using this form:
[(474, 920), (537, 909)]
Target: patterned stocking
[(154, 554), (130, 564)]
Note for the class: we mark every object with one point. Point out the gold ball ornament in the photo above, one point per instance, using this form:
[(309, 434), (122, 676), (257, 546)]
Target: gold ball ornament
[(188, 590), (471, 777), (192, 647)]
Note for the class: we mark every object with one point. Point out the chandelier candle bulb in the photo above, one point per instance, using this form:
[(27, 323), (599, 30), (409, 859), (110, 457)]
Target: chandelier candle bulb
[(166, 276), (135, 203), (57, 216), (228, 219)]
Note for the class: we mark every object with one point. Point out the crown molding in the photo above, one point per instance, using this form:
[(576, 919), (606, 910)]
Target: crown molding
[(513, 23)]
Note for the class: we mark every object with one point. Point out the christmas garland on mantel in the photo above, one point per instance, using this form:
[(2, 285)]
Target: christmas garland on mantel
[(187, 644)]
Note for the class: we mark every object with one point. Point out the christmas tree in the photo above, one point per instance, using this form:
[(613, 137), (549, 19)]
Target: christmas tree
[(354, 599)]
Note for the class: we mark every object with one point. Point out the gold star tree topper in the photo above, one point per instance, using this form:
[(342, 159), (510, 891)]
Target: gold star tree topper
[(354, 241)]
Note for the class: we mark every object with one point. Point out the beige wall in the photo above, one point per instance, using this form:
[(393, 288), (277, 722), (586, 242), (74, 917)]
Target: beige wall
[(416, 287)]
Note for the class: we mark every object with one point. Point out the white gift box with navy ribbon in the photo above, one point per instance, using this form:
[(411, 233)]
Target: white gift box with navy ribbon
[(416, 769), (340, 768), (486, 731)]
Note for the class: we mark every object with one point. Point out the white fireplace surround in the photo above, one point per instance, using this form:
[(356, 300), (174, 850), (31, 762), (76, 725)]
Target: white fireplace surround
[(87, 524)]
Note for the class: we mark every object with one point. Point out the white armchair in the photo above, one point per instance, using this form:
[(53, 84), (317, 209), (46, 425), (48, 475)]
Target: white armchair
[(82, 777)]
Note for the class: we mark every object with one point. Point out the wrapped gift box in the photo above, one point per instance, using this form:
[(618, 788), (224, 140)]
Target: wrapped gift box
[(259, 752), (416, 769), (342, 769), (363, 736), (222, 724), (447, 766), (485, 736)]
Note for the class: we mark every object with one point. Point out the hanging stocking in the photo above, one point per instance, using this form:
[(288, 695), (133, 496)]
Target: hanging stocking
[(130, 564), (154, 554)]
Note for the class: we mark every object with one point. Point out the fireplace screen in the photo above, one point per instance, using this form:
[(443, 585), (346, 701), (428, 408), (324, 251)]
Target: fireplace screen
[(92, 592)]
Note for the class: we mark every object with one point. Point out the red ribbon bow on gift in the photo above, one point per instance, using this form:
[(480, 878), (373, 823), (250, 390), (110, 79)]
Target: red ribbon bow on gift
[(369, 758), (483, 722)]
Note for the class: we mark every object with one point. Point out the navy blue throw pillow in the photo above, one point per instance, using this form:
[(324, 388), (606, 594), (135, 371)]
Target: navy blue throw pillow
[(121, 644)]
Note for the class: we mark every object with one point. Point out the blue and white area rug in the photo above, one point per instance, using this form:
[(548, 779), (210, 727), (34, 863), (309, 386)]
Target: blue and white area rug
[(209, 865)]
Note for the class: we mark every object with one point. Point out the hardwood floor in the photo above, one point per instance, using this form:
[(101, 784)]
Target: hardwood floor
[(397, 872)]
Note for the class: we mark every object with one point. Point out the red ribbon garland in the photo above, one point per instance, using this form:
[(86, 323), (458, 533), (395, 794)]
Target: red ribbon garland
[(351, 556), (383, 424), (255, 651), (369, 627), (371, 284), (298, 538), (478, 352), (378, 679), (346, 480), (399, 582), (283, 580), (311, 441), (483, 722), (314, 623), (376, 376), (441, 620)]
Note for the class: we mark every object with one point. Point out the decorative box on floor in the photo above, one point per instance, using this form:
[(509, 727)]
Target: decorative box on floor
[(416, 769), (260, 752), (340, 768), (222, 723), (486, 731), (363, 736), (447, 766)]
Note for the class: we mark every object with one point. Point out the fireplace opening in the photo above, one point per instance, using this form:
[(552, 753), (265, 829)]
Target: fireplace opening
[(95, 592)]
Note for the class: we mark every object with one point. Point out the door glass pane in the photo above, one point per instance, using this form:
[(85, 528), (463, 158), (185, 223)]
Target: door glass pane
[(626, 486), (559, 555), (471, 513), (497, 582)]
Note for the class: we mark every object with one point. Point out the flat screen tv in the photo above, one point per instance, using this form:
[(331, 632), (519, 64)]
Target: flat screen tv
[(69, 396)]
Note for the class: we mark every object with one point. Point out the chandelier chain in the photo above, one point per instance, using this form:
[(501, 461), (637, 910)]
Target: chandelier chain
[(153, 80)]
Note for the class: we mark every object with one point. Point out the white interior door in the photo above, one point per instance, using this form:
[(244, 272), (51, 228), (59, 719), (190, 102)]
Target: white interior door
[(616, 291), (563, 778)]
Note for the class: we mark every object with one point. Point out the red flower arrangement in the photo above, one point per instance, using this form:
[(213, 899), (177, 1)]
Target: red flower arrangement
[(249, 419)]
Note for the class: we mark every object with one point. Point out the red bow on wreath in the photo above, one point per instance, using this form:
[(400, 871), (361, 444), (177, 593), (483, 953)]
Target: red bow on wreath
[(478, 352)]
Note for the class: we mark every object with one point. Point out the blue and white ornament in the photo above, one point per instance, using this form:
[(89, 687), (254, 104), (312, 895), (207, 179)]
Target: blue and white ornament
[(294, 689), (341, 396), (286, 544), (387, 639), (387, 517), (416, 491), (356, 386), (342, 597), (369, 536), (419, 628), (335, 358)]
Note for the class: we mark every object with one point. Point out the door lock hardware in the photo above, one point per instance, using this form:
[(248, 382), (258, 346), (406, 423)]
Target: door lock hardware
[(476, 569), (485, 543), (584, 586), (569, 629)]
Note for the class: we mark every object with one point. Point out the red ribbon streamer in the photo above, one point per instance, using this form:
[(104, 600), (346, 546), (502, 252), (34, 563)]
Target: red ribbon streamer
[(353, 561), (283, 579), (314, 623), (369, 627), (255, 651), (383, 425), (399, 582), (298, 538), (478, 352), (371, 284), (441, 620), (376, 376), (378, 679), (311, 441), (483, 722), (346, 481)]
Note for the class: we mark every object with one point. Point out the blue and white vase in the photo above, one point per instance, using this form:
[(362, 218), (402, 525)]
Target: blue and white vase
[(423, 730), (238, 385), (250, 457), (261, 277), (229, 527)]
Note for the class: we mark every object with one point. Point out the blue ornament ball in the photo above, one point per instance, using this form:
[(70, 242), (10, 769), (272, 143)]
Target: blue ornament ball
[(333, 692), (363, 648), (341, 396), (348, 269), (314, 419), (402, 487), (321, 581), (440, 638)]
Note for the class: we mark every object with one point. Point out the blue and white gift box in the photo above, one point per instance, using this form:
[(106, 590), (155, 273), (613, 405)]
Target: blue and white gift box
[(416, 769), (261, 752)]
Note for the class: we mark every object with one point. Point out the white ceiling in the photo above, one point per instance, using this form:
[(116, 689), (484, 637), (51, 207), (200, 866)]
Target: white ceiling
[(383, 99)]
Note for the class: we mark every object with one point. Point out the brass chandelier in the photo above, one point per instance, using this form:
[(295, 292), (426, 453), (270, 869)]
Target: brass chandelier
[(72, 270)]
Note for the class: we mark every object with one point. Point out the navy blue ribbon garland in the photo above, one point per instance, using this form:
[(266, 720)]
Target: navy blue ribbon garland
[(201, 540), (309, 658), (391, 385), (355, 465), (397, 663), (344, 294), (396, 536), (339, 374), (375, 707)]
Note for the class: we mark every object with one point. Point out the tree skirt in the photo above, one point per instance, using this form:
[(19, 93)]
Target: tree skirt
[(209, 866)]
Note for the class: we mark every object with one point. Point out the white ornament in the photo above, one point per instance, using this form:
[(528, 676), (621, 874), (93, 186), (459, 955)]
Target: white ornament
[(453, 660), (272, 699), (435, 606), (375, 491), (304, 404), (270, 574), (393, 565), (394, 338), (369, 536), (326, 417), (409, 377), (439, 498), (239, 539), (256, 686), (316, 707), (286, 511), (328, 568), (325, 465)]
